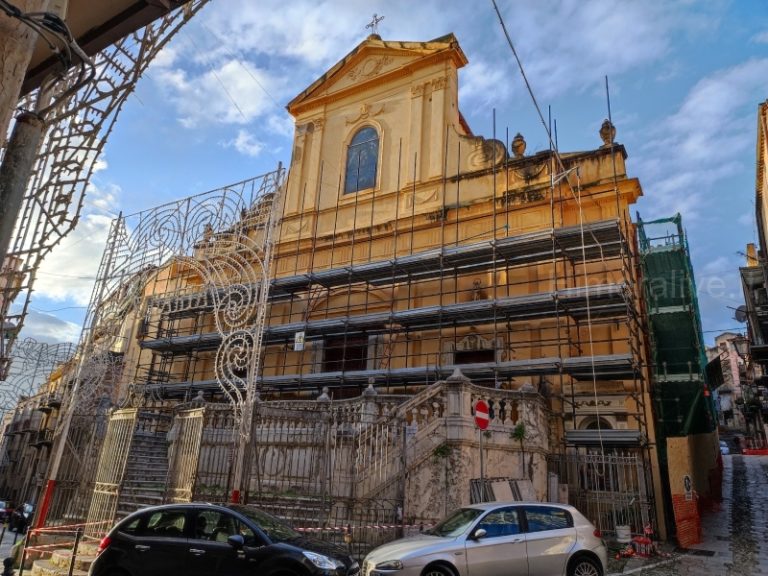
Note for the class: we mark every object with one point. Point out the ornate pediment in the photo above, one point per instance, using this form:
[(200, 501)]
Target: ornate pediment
[(375, 59)]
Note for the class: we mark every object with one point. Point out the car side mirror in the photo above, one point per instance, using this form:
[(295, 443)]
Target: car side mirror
[(479, 533), (236, 541)]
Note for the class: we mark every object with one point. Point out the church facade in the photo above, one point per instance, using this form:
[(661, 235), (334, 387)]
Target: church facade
[(403, 271)]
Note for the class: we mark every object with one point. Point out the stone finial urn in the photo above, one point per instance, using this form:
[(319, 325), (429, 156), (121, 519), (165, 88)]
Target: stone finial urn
[(518, 145), (607, 132)]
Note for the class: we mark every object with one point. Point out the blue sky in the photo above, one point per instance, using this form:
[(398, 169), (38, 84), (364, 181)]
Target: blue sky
[(685, 77)]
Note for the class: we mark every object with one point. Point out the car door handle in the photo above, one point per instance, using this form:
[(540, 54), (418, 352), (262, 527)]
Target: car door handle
[(517, 540), (196, 551), (141, 547)]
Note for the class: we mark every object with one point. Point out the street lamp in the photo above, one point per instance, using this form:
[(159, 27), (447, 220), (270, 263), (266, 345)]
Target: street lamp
[(741, 344)]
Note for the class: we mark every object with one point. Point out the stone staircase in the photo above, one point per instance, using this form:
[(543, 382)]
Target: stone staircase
[(58, 563), (145, 473)]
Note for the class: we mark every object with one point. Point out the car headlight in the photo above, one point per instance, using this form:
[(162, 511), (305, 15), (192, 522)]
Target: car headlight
[(323, 561), (389, 565)]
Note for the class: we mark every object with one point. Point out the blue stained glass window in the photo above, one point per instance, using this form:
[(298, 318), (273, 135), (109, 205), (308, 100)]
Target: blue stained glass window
[(362, 160)]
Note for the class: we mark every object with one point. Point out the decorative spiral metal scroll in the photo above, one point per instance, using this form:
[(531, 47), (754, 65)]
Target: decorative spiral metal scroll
[(78, 128)]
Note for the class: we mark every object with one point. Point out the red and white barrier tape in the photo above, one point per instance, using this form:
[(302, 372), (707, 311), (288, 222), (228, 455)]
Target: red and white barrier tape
[(48, 547), (367, 526), (81, 525)]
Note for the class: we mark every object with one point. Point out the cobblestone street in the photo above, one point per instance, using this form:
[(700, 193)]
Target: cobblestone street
[(735, 538)]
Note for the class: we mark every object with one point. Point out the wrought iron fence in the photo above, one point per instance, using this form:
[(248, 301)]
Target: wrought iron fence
[(611, 489)]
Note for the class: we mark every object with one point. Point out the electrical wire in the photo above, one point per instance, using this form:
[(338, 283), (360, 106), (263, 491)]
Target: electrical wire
[(57, 35), (577, 197)]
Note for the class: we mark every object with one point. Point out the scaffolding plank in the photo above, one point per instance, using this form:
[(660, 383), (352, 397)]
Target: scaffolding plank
[(485, 371), (594, 301)]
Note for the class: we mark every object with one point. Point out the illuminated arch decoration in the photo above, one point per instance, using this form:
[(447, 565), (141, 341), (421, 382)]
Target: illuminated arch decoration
[(31, 365), (212, 250), (77, 130)]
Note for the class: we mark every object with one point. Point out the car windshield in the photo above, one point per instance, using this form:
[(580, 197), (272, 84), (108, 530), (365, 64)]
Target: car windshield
[(275, 529), (456, 523)]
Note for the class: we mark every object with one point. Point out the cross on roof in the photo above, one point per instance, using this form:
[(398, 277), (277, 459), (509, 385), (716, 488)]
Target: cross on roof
[(374, 24)]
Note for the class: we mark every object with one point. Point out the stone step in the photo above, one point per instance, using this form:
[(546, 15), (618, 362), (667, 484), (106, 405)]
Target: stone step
[(61, 559), (148, 483), (47, 568), (139, 480), (149, 456), (144, 465), (140, 502)]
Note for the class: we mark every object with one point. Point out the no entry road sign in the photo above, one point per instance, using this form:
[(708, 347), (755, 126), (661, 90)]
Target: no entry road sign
[(481, 414)]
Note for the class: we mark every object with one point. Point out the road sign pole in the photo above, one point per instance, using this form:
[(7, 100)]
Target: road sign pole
[(482, 467), (482, 419)]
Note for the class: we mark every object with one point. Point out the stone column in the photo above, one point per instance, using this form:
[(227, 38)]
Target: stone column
[(415, 147), (437, 127), (17, 41)]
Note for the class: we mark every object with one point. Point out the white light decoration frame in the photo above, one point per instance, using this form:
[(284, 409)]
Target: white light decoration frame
[(77, 128)]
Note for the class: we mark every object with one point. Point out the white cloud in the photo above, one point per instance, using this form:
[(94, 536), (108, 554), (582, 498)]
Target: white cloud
[(313, 33), (705, 142), (69, 272), (102, 197), (47, 328), (245, 143), (747, 219), (566, 46), (226, 94), (761, 38)]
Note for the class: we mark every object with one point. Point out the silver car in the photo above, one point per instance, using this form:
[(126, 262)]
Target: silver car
[(497, 539)]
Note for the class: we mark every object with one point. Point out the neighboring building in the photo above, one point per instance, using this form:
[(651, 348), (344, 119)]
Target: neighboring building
[(415, 269), (29, 428), (727, 371), (753, 277), (685, 416)]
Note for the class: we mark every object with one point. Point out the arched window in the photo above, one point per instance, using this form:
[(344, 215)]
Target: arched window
[(362, 160)]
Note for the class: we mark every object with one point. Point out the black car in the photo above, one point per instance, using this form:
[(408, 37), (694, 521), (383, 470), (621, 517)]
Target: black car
[(203, 539), (20, 518)]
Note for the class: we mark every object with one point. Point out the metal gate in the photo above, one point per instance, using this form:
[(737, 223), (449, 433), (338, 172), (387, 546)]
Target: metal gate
[(611, 489), (111, 468), (331, 467), (183, 454)]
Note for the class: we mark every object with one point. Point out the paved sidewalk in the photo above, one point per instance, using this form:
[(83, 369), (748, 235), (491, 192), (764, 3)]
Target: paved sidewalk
[(734, 537)]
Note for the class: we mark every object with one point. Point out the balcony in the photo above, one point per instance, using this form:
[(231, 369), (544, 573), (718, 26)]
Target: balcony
[(50, 402), (42, 438)]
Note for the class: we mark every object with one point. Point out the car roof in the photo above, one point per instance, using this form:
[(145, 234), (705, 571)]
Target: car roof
[(183, 505), (491, 505)]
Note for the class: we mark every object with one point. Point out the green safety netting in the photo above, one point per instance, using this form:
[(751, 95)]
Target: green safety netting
[(682, 403)]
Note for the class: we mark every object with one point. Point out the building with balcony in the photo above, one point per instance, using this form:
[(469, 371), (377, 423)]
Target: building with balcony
[(754, 277)]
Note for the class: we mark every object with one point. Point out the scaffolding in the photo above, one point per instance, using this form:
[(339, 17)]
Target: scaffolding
[(401, 306), (681, 395), (396, 307)]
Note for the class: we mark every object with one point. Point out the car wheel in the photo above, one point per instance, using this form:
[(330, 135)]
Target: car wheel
[(584, 566), (437, 570)]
